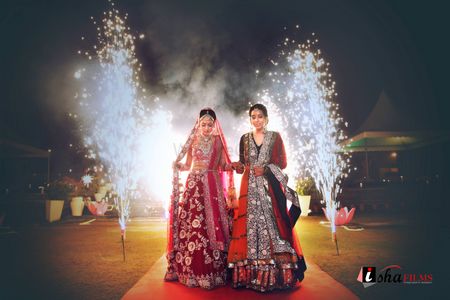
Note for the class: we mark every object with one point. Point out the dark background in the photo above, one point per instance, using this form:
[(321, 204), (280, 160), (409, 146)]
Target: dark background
[(397, 46)]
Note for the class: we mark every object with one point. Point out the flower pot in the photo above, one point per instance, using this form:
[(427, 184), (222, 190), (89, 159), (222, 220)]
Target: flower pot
[(304, 204), (53, 210), (77, 205)]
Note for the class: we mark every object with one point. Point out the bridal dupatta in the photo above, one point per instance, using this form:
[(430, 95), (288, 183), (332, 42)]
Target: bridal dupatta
[(217, 216)]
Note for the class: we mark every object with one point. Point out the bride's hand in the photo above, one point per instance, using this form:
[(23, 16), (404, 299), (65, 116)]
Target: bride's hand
[(178, 165), (238, 166)]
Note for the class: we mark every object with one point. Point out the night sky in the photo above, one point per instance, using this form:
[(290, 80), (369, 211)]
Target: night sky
[(397, 46)]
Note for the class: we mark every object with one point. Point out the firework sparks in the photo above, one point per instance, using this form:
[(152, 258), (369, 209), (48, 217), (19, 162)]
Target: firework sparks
[(118, 129), (87, 180), (320, 124), (118, 122), (301, 84)]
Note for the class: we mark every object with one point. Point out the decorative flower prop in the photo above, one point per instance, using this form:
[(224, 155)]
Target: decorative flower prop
[(97, 208), (343, 216)]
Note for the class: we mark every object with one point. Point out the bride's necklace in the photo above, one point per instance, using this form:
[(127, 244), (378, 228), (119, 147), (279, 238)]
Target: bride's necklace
[(205, 143), (205, 138)]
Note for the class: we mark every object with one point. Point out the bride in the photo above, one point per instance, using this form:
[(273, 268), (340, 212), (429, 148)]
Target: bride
[(200, 223)]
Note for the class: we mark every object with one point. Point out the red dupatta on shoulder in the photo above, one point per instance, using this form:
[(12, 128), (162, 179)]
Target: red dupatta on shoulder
[(220, 187)]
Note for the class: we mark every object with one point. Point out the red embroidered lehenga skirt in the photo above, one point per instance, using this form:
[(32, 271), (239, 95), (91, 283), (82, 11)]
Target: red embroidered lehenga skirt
[(195, 263)]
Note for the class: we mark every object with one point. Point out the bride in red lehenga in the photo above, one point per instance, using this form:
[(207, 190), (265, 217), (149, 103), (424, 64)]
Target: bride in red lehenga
[(199, 226)]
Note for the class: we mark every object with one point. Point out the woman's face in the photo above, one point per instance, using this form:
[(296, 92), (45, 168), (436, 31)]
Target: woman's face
[(258, 119), (206, 125)]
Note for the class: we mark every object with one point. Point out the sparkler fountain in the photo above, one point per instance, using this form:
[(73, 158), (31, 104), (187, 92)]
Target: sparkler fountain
[(118, 124), (302, 85)]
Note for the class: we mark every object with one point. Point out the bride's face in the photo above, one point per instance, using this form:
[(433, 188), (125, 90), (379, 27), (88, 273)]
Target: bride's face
[(206, 126)]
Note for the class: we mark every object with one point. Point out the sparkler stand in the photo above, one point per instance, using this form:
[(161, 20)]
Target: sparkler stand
[(123, 235), (334, 239)]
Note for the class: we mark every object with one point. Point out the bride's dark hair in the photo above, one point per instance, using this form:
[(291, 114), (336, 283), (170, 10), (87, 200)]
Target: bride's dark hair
[(208, 111)]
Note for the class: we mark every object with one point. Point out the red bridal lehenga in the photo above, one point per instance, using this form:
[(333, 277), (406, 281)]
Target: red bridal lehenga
[(199, 225), (264, 252)]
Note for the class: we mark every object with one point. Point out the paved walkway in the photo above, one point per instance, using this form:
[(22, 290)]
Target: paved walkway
[(316, 285)]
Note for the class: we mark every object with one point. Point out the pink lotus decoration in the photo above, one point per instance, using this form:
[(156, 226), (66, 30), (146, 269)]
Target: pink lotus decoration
[(343, 216), (97, 208)]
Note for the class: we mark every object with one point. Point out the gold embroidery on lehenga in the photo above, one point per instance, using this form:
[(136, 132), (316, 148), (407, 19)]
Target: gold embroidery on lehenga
[(196, 232)]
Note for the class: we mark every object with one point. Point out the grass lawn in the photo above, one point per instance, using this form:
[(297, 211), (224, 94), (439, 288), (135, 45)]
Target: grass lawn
[(410, 242), (70, 261)]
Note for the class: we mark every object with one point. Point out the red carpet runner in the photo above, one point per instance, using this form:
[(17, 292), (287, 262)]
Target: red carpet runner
[(316, 285)]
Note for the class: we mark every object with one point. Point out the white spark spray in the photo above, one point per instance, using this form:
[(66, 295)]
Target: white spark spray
[(302, 87), (320, 135), (87, 180), (120, 119), (119, 130)]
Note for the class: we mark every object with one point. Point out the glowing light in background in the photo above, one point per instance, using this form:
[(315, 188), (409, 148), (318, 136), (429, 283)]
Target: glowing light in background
[(158, 150)]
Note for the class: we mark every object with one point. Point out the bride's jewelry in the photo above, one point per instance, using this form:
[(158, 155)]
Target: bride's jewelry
[(205, 143), (205, 138)]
